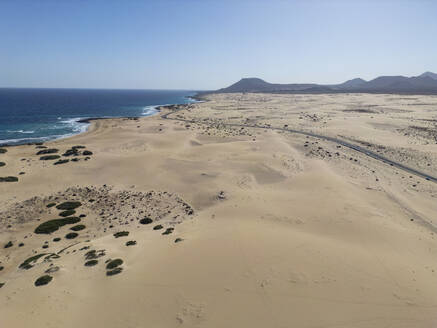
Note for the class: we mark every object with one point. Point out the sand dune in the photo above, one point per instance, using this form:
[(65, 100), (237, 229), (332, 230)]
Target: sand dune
[(270, 229)]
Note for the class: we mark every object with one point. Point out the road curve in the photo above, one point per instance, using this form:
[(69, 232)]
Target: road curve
[(327, 138)]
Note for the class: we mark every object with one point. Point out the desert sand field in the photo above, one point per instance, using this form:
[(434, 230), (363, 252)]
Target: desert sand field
[(210, 217)]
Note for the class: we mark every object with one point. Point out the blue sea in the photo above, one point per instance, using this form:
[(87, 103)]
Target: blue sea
[(38, 115)]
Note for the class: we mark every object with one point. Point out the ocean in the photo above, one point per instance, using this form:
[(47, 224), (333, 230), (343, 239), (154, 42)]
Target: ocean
[(38, 115)]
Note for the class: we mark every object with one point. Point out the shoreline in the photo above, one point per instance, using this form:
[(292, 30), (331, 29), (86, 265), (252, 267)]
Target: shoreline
[(89, 120)]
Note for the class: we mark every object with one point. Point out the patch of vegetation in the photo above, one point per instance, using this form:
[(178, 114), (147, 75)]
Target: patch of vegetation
[(93, 254), (8, 179), (68, 205), (61, 161), (113, 264), (146, 220), (2, 164), (67, 213), (168, 231), (87, 153), (71, 152), (45, 246), (2, 284), (52, 269), (50, 205), (91, 263), (3, 150), (158, 227), (78, 147), (178, 240), (121, 234), (114, 271), (47, 151), (78, 227), (9, 244), (20, 244), (28, 263), (131, 243), (56, 239), (71, 235), (53, 225), (43, 280), (1, 267), (49, 157)]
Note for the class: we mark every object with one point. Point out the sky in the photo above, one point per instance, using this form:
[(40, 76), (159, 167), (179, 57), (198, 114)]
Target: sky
[(206, 44)]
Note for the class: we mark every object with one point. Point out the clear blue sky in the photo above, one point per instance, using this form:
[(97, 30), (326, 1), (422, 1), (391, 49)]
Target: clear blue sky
[(205, 44)]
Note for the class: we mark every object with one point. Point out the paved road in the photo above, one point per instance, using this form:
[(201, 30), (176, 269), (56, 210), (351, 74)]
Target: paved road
[(327, 138)]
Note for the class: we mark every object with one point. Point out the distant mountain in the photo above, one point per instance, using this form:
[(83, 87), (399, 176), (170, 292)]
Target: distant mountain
[(351, 84), (429, 74), (425, 83)]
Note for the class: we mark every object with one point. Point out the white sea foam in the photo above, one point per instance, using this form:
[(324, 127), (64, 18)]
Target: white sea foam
[(20, 131), (150, 110)]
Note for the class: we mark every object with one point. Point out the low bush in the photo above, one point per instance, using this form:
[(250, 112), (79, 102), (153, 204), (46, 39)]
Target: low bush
[(51, 205), (68, 205), (78, 227), (28, 263), (71, 235), (113, 264), (49, 157), (91, 263), (131, 243), (43, 280), (53, 225), (146, 220), (3, 150), (87, 153), (114, 271), (47, 151), (121, 234), (61, 161), (67, 213), (8, 179), (2, 164)]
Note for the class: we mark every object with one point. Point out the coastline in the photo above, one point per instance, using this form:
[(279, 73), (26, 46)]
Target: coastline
[(88, 120)]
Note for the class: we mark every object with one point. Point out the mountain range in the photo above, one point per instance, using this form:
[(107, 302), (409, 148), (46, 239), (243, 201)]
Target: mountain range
[(425, 83)]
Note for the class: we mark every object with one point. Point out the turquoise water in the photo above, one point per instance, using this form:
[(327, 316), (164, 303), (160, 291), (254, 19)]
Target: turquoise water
[(37, 115)]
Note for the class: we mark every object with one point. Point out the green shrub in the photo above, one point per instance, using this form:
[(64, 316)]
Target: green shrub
[(2, 164), (51, 205), (87, 153), (91, 263), (71, 235), (47, 151), (3, 150), (131, 243), (146, 220), (67, 213), (43, 280), (168, 231), (68, 205), (49, 157), (121, 234), (56, 239), (158, 227), (9, 244), (78, 227), (114, 271), (2, 284), (61, 161), (53, 225), (8, 179), (28, 263), (113, 264)]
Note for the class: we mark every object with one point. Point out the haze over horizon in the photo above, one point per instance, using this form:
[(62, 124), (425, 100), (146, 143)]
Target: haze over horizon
[(203, 45)]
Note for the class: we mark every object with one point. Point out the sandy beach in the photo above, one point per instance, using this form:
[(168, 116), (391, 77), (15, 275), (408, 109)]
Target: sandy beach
[(222, 220)]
